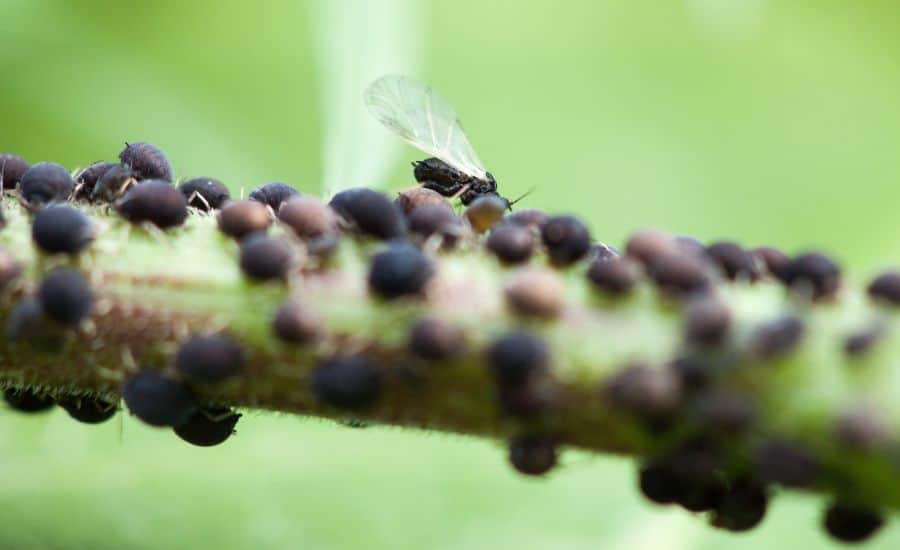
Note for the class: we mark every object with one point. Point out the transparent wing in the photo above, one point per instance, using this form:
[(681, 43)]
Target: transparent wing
[(424, 119)]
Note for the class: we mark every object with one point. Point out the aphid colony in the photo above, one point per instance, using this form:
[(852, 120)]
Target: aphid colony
[(416, 228)]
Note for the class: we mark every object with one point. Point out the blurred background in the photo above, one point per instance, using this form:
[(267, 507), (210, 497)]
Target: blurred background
[(765, 121)]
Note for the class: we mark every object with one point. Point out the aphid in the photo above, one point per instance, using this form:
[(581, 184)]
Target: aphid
[(723, 412), (860, 342), (273, 194), (156, 202), (400, 270), (733, 260), (742, 507), (535, 292), (351, 383), (237, 219), (157, 399), (295, 323), (370, 212), (648, 245), (208, 427), (778, 337), (659, 483), (678, 274), (209, 358), (567, 240), (27, 323), (772, 258), (418, 196), (65, 296), (61, 229), (27, 401), (511, 243), (486, 212), (644, 390), (707, 321), (88, 178), (529, 400), (851, 523), (308, 217), (11, 169), (45, 182), (812, 271), (695, 374), (786, 463), (205, 193), (517, 357), (113, 183), (885, 288), (433, 219), (147, 160), (88, 410), (862, 429), (435, 340), (533, 455), (426, 120), (615, 276), (265, 258)]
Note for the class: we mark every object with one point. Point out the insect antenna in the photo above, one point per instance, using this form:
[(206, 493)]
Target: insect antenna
[(520, 197)]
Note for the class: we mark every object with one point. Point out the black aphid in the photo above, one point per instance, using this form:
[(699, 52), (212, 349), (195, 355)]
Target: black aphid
[(814, 272), (148, 161), (308, 217), (533, 455), (411, 199), (27, 323), (647, 245), (742, 507), (11, 169), (210, 358), (566, 238), (511, 243), (435, 340), (65, 296), (273, 194), (433, 219), (208, 427), (734, 261), (786, 463), (27, 401), (644, 390), (61, 229), (528, 217), (772, 259), (517, 357), (113, 183), (154, 201), (295, 323), (399, 270), (660, 483), (860, 342), (485, 212), (529, 400), (535, 292), (351, 383), (370, 212), (778, 337), (45, 182), (851, 523), (707, 321), (679, 274), (885, 288), (88, 410), (157, 399), (10, 269), (694, 373), (205, 193), (265, 258), (88, 178), (237, 219), (614, 276)]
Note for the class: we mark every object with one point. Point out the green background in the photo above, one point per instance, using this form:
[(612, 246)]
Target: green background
[(763, 121)]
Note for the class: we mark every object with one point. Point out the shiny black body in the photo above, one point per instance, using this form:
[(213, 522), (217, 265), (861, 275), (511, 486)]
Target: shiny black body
[(437, 175)]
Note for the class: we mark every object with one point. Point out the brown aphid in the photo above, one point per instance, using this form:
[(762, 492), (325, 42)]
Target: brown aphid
[(147, 160), (648, 244), (535, 292), (533, 455), (237, 219), (566, 239), (689, 245), (10, 269), (735, 262), (812, 271), (644, 390), (297, 324), (154, 201), (485, 212), (528, 217), (435, 340), (779, 337), (511, 243), (265, 258), (885, 288), (861, 428), (772, 259), (614, 276), (11, 169), (707, 321), (679, 274), (308, 217), (435, 219), (411, 199)]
